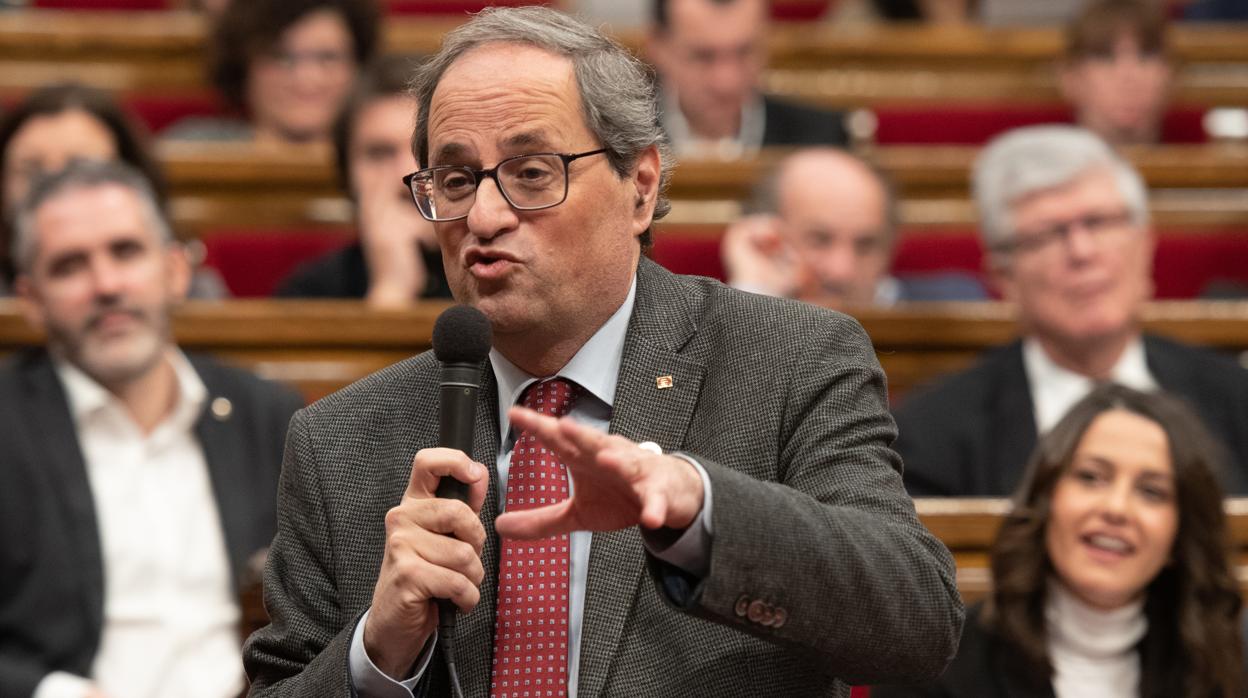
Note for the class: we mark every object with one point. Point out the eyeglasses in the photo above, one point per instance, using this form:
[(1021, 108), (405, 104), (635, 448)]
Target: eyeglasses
[(1099, 226), (528, 182), (323, 60)]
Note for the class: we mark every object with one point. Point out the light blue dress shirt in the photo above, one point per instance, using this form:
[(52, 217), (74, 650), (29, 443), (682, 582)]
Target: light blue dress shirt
[(595, 367)]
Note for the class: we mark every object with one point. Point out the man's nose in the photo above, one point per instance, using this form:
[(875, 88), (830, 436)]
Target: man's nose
[(107, 277), (490, 213)]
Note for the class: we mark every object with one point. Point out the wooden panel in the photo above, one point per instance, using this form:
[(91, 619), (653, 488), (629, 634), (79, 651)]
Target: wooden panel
[(320, 346)]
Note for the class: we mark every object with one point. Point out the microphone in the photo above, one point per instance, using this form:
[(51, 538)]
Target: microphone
[(461, 341)]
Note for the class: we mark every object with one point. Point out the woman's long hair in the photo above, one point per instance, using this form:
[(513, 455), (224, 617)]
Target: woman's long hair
[(1193, 645)]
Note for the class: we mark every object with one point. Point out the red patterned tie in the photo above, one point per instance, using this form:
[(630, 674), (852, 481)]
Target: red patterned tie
[(531, 624)]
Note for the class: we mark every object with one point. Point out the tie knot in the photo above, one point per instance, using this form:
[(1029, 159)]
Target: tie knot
[(552, 397)]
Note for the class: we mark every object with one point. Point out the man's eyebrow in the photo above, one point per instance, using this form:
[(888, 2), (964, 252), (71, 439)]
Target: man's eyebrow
[(450, 152), (528, 139)]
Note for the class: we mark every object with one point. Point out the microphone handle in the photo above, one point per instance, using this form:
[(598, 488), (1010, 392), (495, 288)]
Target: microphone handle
[(457, 400)]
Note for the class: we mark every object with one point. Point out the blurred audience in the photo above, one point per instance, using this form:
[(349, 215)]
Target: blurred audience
[(1113, 575), (286, 66), (1214, 10), (60, 124), (138, 482), (824, 231), (710, 56), (1116, 71), (54, 126), (397, 258), (1065, 224)]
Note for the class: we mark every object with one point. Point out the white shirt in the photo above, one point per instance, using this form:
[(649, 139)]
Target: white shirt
[(748, 141), (1093, 651), (170, 611), (596, 368), (1054, 390)]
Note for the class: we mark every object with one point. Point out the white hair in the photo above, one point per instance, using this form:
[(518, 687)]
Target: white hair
[(1032, 159)]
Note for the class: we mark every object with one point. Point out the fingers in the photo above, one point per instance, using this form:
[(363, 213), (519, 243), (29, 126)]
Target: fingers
[(439, 517), (572, 441), (432, 464), (541, 522)]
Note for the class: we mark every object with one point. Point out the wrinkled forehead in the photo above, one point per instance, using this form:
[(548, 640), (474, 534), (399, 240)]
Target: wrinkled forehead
[(501, 93)]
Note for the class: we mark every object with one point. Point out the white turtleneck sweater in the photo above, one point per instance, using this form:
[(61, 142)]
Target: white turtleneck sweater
[(1093, 651)]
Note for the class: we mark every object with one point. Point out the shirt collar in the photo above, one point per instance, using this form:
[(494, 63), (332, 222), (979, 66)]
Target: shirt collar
[(1054, 390), (748, 141), (87, 397), (595, 366)]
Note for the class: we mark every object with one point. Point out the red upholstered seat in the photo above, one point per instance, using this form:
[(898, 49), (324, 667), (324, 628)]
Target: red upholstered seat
[(974, 124), (253, 262), (102, 4), (159, 111)]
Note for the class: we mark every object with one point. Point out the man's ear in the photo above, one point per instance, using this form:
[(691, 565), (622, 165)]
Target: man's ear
[(999, 275), (177, 271), (1070, 82), (645, 177), (29, 302)]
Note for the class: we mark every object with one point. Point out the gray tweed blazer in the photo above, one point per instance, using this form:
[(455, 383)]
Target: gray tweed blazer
[(783, 403)]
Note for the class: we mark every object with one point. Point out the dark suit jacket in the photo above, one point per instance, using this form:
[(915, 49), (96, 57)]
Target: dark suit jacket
[(344, 274), (51, 569), (789, 123), (784, 405), (986, 667), (972, 434)]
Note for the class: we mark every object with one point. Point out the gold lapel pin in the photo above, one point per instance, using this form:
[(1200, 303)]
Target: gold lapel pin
[(663, 382)]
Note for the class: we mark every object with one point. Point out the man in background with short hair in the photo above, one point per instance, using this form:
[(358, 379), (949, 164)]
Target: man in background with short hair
[(824, 231), (710, 56), (396, 260), (138, 483), (1065, 224)]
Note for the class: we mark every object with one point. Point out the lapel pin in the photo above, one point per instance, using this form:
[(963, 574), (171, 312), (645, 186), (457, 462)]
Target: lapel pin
[(663, 382), (651, 446), (222, 408)]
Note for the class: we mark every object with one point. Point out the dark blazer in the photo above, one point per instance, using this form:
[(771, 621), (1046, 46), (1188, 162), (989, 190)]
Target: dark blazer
[(784, 405), (51, 569), (973, 433), (986, 667), (790, 123), (344, 274)]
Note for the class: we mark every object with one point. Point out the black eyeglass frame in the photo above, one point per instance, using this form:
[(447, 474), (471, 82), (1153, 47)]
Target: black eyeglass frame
[(492, 173)]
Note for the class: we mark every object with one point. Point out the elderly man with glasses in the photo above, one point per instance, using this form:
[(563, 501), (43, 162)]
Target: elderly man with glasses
[(699, 494), (1065, 222)]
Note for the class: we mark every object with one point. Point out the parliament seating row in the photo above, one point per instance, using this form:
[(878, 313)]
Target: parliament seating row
[(224, 186), (159, 55), (1189, 263), (321, 346)]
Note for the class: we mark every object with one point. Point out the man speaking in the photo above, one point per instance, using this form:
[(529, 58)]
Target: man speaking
[(699, 491)]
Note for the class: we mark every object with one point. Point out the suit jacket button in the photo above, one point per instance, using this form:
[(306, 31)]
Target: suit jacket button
[(742, 606), (757, 611), (780, 617), (222, 408)]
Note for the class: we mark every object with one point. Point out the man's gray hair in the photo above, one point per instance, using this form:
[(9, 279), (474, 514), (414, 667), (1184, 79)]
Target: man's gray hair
[(80, 174), (1032, 159), (617, 90)]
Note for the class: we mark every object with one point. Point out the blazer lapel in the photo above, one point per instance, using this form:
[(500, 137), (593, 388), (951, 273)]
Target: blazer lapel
[(226, 457), (474, 632), (48, 415), (655, 396), (1012, 427)]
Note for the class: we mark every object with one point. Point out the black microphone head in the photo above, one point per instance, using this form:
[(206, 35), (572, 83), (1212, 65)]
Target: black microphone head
[(461, 335)]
